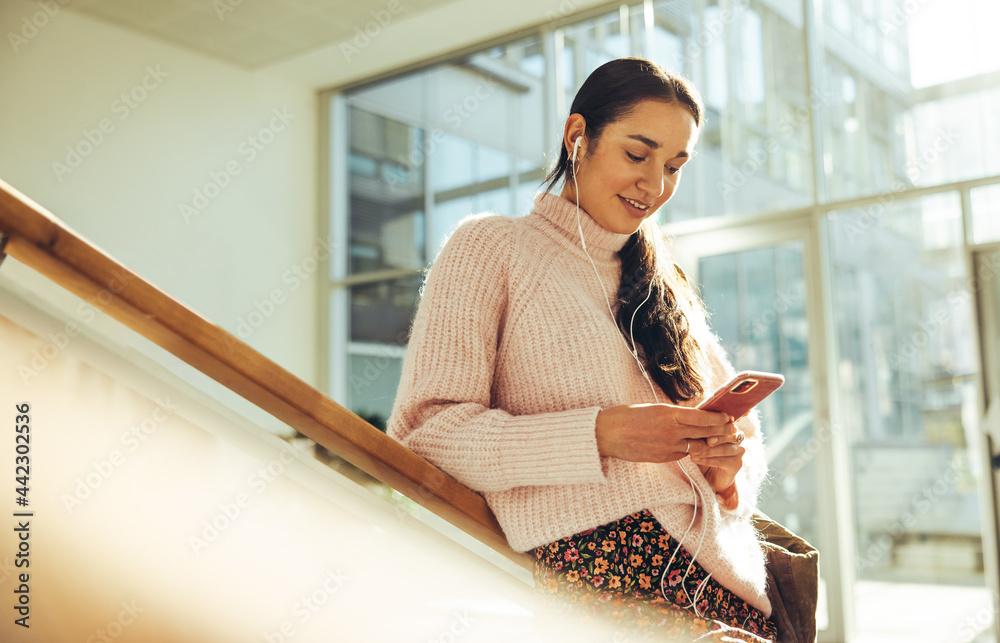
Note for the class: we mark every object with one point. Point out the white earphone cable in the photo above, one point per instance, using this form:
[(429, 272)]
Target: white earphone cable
[(635, 355), (579, 226)]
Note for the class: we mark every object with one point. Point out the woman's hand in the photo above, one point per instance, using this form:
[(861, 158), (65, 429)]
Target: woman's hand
[(661, 432), (720, 463), (665, 433)]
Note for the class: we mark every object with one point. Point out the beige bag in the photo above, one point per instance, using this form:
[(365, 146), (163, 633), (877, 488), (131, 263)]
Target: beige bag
[(792, 581)]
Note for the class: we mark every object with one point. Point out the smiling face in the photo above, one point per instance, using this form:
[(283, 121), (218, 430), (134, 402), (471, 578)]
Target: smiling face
[(635, 165)]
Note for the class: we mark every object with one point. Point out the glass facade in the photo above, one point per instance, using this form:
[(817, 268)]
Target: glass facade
[(757, 303), (908, 371), (426, 150), (386, 225), (899, 108), (986, 213), (871, 123)]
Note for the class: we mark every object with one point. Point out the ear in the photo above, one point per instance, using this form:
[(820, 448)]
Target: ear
[(576, 127)]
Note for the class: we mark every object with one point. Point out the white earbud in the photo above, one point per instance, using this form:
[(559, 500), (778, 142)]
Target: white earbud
[(576, 146)]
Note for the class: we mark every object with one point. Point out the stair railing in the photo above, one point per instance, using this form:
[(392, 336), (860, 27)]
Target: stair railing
[(38, 239)]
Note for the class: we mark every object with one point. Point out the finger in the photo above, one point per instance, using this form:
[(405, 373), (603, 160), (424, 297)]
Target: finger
[(724, 433), (700, 447), (693, 446), (699, 418), (707, 437), (713, 454), (725, 449), (736, 437)]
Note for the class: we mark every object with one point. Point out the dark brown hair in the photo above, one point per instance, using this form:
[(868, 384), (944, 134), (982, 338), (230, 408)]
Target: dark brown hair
[(662, 329)]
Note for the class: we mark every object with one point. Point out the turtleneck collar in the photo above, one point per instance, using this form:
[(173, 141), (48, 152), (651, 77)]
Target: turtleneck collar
[(602, 244)]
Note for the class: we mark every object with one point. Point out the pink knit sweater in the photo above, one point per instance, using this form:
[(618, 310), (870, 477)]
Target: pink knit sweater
[(512, 354)]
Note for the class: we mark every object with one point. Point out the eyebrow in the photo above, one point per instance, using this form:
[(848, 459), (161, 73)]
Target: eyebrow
[(650, 143)]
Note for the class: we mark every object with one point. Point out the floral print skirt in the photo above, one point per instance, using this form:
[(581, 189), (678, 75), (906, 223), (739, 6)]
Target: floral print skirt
[(622, 573)]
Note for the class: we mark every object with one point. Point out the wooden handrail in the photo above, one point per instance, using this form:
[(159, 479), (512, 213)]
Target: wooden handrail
[(44, 243)]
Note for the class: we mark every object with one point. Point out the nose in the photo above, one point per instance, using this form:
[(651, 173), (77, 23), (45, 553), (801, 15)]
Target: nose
[(652, 181)]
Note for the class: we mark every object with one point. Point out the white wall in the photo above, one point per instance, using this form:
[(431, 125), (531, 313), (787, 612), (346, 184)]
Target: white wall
[(125, 195)]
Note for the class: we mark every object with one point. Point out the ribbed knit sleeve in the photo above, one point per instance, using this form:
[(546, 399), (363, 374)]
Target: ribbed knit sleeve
[(443, 408)]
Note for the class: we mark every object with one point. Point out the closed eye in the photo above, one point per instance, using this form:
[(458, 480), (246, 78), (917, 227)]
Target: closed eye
[(639, 159)]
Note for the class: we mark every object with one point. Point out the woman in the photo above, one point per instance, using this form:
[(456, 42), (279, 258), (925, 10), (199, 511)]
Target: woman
[(554, 363)]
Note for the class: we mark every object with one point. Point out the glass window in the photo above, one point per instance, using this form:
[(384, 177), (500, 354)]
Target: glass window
[(715, 87), (840, 16), (454, 163), (750, 77), (465, 132), (985, 213), (906, 120), (757, 302), (863, 132), (955, 138), (950, 39), (459, 163), (667, 49), (908, 373), (386, 201), (381, 311), (673, 45), (755, 149), (428, 149), (447, 214), (375, 371), (588, 45)]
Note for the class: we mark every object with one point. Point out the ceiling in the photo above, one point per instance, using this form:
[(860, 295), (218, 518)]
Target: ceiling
[(253, 33)]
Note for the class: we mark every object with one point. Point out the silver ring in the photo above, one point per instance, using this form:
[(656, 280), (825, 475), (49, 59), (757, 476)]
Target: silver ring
[(740, 437), (687, 446)]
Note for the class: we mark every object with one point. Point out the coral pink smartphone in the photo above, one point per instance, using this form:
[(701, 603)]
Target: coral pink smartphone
[(738, 396)]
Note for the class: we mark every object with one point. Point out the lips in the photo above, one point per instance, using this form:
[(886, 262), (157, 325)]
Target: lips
[(632, 209)]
